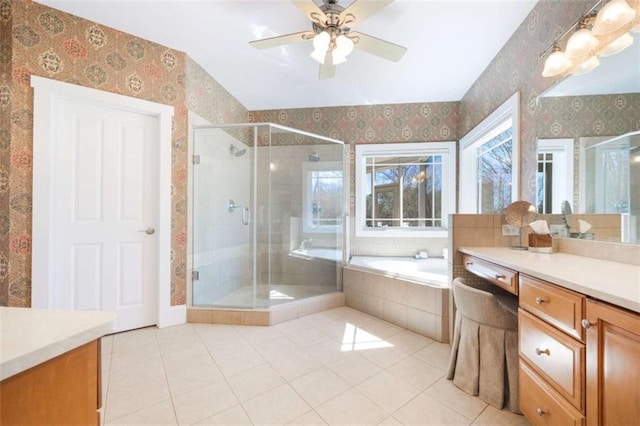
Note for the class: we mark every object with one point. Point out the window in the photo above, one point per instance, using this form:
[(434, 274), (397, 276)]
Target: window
[(405, 187), (322, 197), (489, 162)]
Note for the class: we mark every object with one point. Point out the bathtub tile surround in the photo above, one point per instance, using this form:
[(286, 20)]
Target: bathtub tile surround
[(416, 306), (224, 374)]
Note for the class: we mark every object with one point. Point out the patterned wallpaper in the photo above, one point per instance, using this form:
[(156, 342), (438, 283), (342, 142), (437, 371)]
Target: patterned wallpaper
[(425, 122), (597, 115), (55, 45), (6, 88), (207, 98)]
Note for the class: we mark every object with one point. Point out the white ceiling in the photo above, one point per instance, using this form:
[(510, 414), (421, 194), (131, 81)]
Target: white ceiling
[(450, 43)]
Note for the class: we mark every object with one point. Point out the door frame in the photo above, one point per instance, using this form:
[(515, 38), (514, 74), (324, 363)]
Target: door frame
[(46, 94)]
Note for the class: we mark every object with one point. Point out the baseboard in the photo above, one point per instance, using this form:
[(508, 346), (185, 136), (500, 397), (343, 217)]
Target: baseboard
[(175, 315)]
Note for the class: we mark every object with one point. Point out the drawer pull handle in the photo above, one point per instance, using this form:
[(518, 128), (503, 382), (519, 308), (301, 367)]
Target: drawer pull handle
[(586, 324), (541, 351), (540, 411), (500, 277), (469, 263), (541, 300)]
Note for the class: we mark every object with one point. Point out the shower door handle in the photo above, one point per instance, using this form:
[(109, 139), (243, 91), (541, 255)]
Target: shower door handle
[(245, 216)]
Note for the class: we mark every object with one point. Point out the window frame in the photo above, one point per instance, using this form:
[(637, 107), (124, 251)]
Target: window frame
[(562, 180), (477, 137), (307, 196), (448, 150)]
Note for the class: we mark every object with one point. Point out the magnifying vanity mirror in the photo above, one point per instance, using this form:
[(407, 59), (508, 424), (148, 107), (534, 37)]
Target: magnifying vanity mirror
[(588, 131)]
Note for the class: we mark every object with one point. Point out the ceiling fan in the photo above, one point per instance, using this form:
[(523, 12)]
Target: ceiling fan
[(331, 33)]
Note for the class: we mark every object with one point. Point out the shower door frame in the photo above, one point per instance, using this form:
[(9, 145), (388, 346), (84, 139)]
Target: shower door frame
[(254, 200)]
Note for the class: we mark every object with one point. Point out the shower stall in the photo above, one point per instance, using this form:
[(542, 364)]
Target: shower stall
[(267, 215)]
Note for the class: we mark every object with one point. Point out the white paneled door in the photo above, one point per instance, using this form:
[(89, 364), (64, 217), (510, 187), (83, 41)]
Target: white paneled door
[(105, 213)]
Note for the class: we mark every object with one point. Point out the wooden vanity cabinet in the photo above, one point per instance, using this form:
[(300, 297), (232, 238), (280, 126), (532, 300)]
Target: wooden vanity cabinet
[(65, 390), (613, 365), (552, 353), (505, 278), (579, 357)]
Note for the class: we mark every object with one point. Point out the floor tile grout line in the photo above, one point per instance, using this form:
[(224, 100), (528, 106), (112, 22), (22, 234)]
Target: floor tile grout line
[(164, 369), (224, 377), (159, 402), (103, 417)]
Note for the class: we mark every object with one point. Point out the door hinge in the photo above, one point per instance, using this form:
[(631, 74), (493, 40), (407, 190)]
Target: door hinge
[(196, 159), (195, 275)]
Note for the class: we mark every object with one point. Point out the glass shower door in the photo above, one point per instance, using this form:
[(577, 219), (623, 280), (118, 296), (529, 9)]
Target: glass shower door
[(223, 242)]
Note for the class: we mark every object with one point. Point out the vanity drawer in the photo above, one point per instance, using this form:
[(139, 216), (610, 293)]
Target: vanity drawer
[(541, 405), (498, 275), (562, 308), (556, 357)]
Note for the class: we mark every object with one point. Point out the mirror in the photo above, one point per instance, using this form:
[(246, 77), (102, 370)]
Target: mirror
[(588, 131)]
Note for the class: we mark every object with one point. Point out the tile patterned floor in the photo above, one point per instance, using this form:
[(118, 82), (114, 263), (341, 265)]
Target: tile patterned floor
[(335, 367)]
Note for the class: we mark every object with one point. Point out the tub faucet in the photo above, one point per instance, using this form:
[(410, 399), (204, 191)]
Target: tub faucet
[(303, 244)]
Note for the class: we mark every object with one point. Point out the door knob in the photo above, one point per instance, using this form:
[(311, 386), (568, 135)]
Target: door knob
[(148, 230)]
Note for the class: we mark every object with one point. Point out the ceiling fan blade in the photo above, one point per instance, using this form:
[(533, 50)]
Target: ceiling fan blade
[(362, 9), (309, 8), (266, 43), (327, 70), (375, 46)]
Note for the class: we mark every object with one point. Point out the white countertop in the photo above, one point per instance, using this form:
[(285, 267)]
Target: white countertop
[(613, 282), (29, 337)]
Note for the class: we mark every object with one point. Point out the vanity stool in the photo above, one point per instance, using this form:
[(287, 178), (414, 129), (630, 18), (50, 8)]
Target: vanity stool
[(484, 352)]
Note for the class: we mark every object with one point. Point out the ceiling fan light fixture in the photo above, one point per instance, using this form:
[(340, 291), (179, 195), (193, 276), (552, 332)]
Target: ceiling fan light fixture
[(344, 45), (613, 16), (617, 45), (581, 43), (337, 59), (556, 64), (321, 43)]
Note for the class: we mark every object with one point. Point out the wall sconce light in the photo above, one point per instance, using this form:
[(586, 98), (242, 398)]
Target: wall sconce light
[(610, 22), (613, 16)]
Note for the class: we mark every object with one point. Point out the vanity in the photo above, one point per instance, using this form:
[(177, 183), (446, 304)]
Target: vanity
[(50, 369), (578, 332)]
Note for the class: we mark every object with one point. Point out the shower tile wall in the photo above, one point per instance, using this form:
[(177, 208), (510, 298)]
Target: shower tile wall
[(285, 184), (222, 250)]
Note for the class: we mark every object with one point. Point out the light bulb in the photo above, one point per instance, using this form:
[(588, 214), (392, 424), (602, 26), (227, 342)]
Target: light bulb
[(344, 45), (319, 55), (613, 16), (617, 45), (588, 65), (581, 43), (320, 44), (338, 58), (557, 63)]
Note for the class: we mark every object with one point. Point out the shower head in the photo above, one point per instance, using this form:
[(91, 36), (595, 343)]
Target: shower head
[(314, 156), (237, 152)]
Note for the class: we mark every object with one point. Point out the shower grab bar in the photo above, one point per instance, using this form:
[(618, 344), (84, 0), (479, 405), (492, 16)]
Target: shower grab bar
[(245, 216)]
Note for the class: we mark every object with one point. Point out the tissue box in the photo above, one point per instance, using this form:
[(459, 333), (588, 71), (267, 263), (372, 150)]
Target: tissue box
[(542, 243)]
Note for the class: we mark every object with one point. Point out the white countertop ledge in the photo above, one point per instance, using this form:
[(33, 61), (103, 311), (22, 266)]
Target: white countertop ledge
[(29, 337), (612, 282)]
